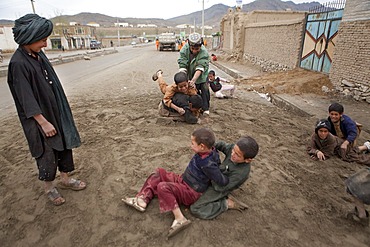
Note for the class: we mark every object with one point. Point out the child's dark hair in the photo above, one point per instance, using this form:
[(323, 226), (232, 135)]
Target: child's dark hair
[(180, 77), (212, 72), (204, 136), (196, 101), (336, 107), (248, 146)]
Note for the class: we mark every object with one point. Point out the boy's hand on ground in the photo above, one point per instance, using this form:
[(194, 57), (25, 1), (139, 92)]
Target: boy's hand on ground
[(320, 155)]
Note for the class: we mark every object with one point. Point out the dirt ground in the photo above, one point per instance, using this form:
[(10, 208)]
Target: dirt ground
[(293, 201)]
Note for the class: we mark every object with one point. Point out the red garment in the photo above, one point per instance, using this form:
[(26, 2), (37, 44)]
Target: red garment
[(170, 189)]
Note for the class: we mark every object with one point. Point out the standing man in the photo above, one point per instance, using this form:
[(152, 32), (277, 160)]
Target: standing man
[(42, 106), (194, 60)]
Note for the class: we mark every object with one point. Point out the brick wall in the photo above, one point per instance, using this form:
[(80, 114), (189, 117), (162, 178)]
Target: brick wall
[(274, 47), (356, 10), (350, 71)]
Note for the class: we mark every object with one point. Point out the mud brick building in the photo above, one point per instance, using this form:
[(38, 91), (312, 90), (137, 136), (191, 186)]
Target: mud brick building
[(335, 41), (350, 72)]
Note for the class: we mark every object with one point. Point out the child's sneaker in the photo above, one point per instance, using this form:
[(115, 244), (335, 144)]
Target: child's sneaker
[(367, 144)]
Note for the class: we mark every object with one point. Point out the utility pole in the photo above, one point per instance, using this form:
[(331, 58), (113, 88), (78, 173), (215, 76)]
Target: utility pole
[(33, 7), (119, 40), (202, 18)]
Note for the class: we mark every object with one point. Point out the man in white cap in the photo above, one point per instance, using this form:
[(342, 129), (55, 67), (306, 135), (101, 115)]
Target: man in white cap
[(194, 60)]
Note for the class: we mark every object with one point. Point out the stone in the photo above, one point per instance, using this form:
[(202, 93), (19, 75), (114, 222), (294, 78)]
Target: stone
[(347, 83)]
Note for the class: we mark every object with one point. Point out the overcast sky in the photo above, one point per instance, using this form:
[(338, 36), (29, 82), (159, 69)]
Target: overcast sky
[(165, 9)]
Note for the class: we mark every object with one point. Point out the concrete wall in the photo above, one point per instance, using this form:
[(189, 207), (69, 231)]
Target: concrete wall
[(7, 42), (350, 71)]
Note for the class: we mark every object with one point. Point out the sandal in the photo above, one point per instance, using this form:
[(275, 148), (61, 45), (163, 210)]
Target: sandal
[(132, 202), (177, 227), (55, 197), (73, 184), (155, 76)]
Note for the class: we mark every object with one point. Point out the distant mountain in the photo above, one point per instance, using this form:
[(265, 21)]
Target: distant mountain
[(212, 15)]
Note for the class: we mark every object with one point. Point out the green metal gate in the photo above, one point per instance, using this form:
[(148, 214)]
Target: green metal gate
[(320, 38)]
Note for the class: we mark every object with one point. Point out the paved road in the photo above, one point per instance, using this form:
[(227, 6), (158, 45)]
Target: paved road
[(71, 73)]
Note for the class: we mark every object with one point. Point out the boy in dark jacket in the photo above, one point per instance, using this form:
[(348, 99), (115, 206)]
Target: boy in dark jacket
[(174, 189), (342, 126)]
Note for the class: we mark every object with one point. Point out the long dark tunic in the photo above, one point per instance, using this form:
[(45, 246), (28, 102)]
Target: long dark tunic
[(36, 89)]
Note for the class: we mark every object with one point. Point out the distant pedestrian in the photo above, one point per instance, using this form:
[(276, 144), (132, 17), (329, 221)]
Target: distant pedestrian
[(111, 43), (157, 44)]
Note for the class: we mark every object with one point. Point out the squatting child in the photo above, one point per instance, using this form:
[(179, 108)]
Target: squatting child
[(218, 88), (173, 189)]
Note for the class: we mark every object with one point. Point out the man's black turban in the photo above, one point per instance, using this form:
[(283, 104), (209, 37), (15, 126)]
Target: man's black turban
[(31, 28)]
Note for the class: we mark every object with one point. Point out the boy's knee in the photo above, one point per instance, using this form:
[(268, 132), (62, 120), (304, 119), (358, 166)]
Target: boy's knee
[(163, 187)]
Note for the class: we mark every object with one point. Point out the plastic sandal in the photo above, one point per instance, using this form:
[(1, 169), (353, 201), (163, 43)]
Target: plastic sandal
[(73, 184), (132, 202), (177, 227), (54, 195)]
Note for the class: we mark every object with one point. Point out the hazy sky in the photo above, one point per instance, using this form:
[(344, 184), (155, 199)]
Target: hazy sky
[(165, 9)]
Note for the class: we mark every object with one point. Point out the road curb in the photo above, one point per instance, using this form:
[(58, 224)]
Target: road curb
[(275, 99), (227, 70)]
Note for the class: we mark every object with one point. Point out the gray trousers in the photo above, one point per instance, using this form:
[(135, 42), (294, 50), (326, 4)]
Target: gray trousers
[(211, 204)]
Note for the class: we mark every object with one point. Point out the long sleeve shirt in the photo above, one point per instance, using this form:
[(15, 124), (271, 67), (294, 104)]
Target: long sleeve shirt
[(202, 170)]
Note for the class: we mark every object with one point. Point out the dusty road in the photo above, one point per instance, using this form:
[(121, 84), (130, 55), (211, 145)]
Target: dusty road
[(292, 200)]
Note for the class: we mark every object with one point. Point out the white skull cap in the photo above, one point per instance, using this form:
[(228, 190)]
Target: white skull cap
[(195, 39)]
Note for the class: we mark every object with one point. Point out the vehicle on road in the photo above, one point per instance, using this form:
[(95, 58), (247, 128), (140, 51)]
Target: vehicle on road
[(167, 41), (94, 44)]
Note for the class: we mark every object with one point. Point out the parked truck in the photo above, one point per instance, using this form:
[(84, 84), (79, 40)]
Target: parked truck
[(167, 41)]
